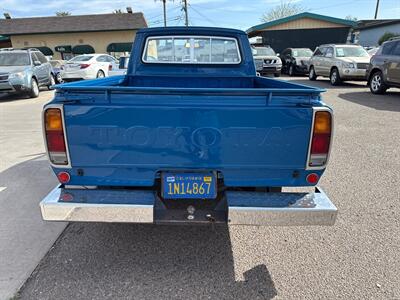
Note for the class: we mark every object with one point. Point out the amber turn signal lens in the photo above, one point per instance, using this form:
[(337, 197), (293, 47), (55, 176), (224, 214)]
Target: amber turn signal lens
[(322, 123), (53, 119)]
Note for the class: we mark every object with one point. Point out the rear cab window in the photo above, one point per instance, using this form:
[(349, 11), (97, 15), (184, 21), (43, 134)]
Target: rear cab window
[(191, 50)]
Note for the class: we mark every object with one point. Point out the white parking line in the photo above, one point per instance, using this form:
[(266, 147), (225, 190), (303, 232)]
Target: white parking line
[(2, 188)]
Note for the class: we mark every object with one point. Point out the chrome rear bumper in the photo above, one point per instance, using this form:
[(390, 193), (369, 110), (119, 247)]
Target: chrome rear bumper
[(138, 206)]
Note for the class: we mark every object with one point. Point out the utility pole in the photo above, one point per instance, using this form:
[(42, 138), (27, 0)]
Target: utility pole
[(376, 9), (165, 13), (185, 8)]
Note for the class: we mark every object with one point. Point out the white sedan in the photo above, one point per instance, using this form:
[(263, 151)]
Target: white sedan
[(88, 66)]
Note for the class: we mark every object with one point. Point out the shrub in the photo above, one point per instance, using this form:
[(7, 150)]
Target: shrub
[(386, 36)]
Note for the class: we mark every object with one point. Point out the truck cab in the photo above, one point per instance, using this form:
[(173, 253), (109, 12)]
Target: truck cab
[(190, 135)]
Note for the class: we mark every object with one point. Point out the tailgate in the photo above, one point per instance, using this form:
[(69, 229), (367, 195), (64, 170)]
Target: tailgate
[(129, 143)]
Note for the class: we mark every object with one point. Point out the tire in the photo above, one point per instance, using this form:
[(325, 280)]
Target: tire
[(59, 78), (291, 70), (100, 74), (311, 75), (376, 83), (34, 90), (334, 77), (277, 74), (52, 81)]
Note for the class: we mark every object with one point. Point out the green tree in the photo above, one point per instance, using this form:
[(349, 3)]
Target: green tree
[(284, 9), (386, 36), (62, 13), (351, 18)]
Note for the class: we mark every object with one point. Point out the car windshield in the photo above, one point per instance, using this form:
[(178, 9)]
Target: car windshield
[(14, 59), (81, 58), (264, 51), (302, 53), (351, 52)]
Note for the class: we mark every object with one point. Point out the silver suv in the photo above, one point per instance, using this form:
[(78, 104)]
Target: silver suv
[(24, 71), (339, 63)]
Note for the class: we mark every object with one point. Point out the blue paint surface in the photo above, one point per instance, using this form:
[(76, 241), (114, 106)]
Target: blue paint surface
[(126, 130)]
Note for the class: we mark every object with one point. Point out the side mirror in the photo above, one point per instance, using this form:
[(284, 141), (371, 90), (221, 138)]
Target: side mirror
[(37, 63)]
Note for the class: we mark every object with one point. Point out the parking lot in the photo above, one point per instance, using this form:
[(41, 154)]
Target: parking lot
[(357, 258)]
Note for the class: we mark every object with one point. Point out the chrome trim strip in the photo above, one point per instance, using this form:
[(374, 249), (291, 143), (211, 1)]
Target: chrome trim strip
[(61, 107), (95, 208), (191, 37), (269, 209), (315, 110)]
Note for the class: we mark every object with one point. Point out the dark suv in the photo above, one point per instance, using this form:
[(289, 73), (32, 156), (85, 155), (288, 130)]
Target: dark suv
[(384, 69), (24, 71), (296, 60)]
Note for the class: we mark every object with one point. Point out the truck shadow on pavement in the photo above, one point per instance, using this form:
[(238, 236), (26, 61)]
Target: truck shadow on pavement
[(127, 261), (389, 102)]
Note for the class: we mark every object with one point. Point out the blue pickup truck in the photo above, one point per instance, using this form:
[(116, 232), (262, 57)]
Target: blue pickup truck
[(190, 135)]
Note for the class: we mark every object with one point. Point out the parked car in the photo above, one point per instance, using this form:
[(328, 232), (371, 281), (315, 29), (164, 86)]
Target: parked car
[(295, 60), (339, 63), (123, 66), (88, 66), (189, 136), (384, 69), (56, 66), (372, 51), (266, 61), (24, 71)]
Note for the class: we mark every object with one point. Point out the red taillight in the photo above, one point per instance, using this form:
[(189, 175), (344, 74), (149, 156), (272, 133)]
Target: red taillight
[(63, 177), (320, 143), (109, 67), (84, 66), (55, 141), (321, 139), (54, 133)]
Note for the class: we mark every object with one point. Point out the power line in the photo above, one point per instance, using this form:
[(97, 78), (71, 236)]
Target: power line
[(203, 16), (169, 20)]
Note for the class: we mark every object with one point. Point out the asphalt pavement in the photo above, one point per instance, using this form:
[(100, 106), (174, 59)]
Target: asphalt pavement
[(357, 258), (25, 177)]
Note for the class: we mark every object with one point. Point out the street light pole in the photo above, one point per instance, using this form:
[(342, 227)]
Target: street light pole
[(165, 13), (376, 9), (185, 7)]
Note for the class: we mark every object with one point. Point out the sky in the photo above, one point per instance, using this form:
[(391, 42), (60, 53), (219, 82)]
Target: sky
[(240, 14)]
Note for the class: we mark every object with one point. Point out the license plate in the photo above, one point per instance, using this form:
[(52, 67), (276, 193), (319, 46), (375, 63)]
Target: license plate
[(188, 186)]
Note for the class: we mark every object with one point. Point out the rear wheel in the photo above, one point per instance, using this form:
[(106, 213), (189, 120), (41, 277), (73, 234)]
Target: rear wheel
[(311, 74), (100, 74), (34, 90), (59, 78), (376, 84), (335, 77)]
